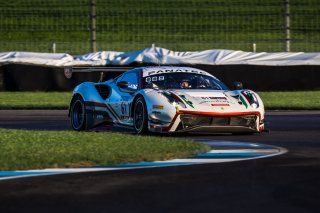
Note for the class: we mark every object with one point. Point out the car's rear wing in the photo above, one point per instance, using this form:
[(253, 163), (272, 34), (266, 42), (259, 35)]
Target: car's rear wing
[(69, 70)]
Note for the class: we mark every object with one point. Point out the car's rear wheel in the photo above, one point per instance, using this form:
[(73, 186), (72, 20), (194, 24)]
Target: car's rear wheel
[(140, 116), (78, 114)]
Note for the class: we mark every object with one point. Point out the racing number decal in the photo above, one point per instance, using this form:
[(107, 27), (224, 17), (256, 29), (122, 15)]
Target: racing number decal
[(155, 78), (123, 108)]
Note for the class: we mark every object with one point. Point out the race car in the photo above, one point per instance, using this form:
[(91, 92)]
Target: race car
[(167, 99)]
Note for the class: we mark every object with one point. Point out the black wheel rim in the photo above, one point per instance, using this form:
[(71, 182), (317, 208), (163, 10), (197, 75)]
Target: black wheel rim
[(77, 114), (139, 116)]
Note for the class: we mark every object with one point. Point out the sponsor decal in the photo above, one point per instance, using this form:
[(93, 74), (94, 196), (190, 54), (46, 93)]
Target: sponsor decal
[(155, 71), (216, 101), (157, 107), (220, 105), (110, 110), (214, 98)]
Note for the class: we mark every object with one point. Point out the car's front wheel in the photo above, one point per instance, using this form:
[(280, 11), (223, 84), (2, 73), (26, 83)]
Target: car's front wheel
[(78, 114), (140, 116)]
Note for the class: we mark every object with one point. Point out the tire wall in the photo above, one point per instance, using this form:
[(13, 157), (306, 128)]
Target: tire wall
[(15, 77)]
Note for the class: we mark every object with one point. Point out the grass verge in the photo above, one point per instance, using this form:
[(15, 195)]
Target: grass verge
[(35, 100), (23, 149), (298, 100)]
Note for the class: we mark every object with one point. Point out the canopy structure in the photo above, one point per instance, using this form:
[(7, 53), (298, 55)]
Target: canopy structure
[(162, 56)]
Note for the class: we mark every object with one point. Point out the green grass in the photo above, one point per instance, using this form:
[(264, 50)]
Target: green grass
[(35, 100), (23, 149), (302, 100), (181, 25), (298, 100)]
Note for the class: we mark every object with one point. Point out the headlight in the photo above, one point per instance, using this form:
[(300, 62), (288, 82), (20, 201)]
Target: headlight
[(255, 102), (251, 98), (255, 105)]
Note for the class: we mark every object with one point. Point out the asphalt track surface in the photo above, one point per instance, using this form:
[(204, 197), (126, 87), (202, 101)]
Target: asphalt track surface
[(284, 183)]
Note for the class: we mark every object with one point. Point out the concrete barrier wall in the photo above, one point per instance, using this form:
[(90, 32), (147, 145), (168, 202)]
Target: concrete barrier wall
[(260, 78)]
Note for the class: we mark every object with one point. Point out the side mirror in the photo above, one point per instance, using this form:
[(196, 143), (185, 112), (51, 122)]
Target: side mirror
[(123, 84), (237, 85)]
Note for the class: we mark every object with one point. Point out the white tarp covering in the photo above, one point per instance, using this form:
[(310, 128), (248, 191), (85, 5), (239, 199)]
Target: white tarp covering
[(157, 55), (43, 59)]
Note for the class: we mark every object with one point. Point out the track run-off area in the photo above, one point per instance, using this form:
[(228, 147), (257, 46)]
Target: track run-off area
[(288, 181)]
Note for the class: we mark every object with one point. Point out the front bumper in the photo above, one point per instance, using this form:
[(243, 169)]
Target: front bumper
[(234, 122)]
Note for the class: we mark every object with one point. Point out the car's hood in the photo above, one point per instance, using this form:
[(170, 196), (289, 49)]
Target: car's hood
[(217, 100), (200, 93)]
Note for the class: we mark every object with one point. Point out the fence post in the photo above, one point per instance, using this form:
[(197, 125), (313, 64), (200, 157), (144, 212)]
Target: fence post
[(93, 45), (54, 47), (287, 25)]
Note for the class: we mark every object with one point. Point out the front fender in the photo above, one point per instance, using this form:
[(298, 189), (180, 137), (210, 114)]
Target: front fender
[(158, 106)]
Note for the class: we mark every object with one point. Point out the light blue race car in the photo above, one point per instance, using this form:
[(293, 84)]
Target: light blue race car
[(167, 99)]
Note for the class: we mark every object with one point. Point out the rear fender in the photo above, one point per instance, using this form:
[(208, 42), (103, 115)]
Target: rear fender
[(90, 95), (90, 123)]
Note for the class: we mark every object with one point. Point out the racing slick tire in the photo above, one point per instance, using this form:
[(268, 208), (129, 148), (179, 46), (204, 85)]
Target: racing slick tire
[(140, 116), (78, 114)]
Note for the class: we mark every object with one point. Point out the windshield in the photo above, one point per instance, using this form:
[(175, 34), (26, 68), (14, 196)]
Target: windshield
[(183, 81)]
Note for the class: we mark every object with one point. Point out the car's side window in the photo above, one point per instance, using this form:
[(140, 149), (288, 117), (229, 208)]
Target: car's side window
[(132, 80)]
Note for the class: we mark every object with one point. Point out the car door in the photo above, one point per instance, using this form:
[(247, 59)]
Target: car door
[(121, 104)]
